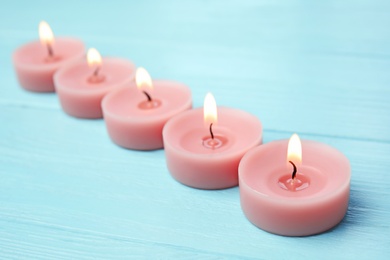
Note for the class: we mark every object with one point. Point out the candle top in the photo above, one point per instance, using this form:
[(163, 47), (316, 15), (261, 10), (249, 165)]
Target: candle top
[(126, 102), (237, 129), (77, 75), (33, 55), (326, 168)]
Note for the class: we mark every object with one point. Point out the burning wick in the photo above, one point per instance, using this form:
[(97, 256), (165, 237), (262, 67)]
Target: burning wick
[(147, 95), (50, 50), (294, 153), (210, 112), (211, 131), (144, 81), (96, 72), (294, 171), (46, 36), (94, 59)]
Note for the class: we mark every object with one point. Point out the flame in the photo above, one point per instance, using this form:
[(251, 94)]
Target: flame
[(210, 110), (143, 79), (45, 33), (294, 150), (93, 57)]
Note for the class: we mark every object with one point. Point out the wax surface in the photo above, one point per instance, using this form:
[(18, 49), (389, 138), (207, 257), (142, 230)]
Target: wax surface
[(195, 165), (33, 68), (81, 97), (312, 210), (132, 125)]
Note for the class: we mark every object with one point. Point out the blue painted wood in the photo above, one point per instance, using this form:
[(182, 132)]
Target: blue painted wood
[(317, 68)]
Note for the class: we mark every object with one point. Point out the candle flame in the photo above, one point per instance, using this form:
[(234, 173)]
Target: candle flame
[(93, 57), (45, 33), (143, 79), (210, 110), (294, 150)]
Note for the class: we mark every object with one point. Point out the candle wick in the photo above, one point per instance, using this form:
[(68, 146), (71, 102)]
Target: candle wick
[(50, 50), (211, 131), (96, 72), (294, 171), (147, 95)]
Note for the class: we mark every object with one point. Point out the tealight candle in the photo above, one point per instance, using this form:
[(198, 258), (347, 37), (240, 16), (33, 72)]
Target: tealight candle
[(82, 85), (135, 115), (207, 156), (294, 196), (36, 62)]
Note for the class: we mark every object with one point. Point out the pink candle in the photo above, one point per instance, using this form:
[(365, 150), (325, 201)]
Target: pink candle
[(82, 85), (203, 150), (135, 115), (290, 196), (36, 62)]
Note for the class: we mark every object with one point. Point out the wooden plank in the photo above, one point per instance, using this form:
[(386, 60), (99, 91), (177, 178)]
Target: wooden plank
[(320, 69)]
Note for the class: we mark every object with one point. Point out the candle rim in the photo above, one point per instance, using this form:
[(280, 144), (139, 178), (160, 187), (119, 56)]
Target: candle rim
[(224, 155), (95, 88), (132, 88), (294, 201), (44, 66)]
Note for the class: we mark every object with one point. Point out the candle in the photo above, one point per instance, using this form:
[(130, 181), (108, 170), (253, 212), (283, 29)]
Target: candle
[(36, 62), (135, 115), (206, 154), (293, 196), (82, 85)]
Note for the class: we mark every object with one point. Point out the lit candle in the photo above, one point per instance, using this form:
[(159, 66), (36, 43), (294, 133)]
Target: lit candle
[(303, 193), (36, 62), (206, 154), (82, 85), (135, 114)]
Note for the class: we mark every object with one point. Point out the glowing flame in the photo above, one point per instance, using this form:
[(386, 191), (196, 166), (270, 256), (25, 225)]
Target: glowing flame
[(45, 33), (143, 79), (294, 151), (93, 57), (210, 110)]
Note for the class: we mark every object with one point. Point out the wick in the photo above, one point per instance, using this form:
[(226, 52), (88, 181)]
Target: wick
[(211, 131), (147, 95), (96, 72), (294, 171), (50, 50)]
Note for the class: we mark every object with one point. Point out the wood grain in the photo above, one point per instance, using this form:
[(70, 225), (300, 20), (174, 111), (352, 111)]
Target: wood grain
[(317, 68)]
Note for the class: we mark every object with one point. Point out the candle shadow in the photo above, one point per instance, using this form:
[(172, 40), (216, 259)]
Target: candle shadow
[(231, 194), (83, 118), (231, 190), (37, 93)]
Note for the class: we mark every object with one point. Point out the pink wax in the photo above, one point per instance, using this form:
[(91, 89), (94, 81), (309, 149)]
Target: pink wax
[(81, 93), (35, 69), (196, 160), (315, 202), (134, 122)]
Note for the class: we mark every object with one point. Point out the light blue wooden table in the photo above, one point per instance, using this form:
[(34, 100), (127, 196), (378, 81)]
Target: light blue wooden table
[(318, 68)]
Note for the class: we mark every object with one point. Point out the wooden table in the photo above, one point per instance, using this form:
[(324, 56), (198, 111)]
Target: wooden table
[(318, 68)]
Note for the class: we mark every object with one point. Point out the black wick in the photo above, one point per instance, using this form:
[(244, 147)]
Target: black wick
[(147, 95), (50, 50), (295, 170), (96, 72), (211, 131)]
